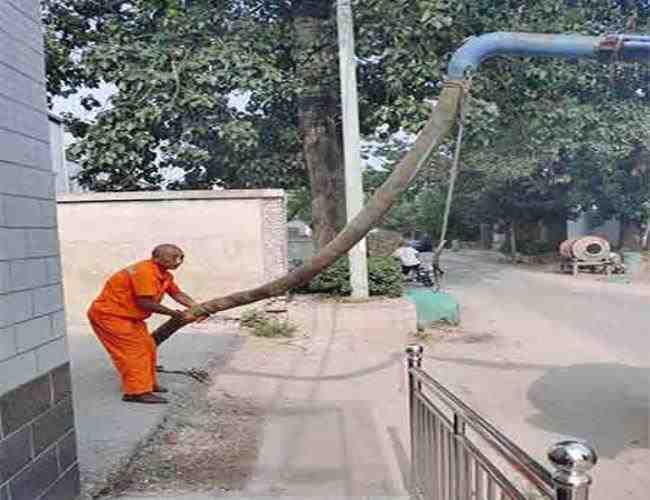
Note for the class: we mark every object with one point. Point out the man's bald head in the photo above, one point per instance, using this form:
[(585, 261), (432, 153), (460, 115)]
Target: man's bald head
[(168, 256), (165, 249)]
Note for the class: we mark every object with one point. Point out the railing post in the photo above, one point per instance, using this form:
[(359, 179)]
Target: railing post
[(463, 490), (572, 460), (413, 360)]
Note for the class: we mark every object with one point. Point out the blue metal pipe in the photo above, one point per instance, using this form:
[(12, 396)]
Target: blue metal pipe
[(469, 57)]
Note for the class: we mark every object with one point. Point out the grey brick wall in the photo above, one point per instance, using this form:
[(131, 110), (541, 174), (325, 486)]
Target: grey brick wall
[(37, 439)]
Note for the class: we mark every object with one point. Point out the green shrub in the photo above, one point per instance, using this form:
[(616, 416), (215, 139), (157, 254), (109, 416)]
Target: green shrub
[(528, 247), (384, 278), (261, 326), (251, 317), (274, 328)]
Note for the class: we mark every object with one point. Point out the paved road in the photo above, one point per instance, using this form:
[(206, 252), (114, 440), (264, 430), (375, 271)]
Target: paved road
[(614, 313), (547, 355)]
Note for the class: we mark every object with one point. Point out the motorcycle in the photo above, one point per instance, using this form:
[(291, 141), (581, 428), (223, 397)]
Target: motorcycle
[(428, 275)]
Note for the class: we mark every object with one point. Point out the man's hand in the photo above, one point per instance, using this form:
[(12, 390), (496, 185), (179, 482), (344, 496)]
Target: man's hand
[(203, 313), (186, 300), (184, 316)]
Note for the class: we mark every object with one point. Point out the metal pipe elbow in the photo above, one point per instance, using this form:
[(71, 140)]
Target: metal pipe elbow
[(473, 52)]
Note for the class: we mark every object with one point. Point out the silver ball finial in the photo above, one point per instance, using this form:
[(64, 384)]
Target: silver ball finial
[(573, 457), (414, 350), (414, 355)]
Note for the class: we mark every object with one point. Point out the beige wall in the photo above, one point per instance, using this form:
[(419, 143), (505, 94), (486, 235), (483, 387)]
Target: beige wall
[(232, 239)]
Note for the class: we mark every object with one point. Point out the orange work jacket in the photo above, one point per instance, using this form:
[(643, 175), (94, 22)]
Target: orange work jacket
[(143, 279)]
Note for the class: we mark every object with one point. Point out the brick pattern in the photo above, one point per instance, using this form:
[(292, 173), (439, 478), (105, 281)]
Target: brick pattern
[(38, 455), (274, 230), (31, 297)]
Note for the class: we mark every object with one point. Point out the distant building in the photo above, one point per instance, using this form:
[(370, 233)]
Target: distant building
[(300, 243), (64, 170), (588, 224)]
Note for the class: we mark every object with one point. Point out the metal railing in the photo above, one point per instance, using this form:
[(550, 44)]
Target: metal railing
[(458, 455)]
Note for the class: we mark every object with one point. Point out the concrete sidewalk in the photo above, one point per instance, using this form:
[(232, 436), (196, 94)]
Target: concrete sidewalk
[(337, 422), (108, 430)]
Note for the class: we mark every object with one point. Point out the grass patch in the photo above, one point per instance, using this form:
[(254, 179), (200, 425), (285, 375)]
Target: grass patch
[(250, 317), (424, 336), (261, 326)]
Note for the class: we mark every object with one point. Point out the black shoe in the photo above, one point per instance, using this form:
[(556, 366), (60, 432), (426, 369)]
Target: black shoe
[(146, 398), (160, 389)]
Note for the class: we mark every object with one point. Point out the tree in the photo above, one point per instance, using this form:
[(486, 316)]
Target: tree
[(175, 70), (319, 120), (621, 191)]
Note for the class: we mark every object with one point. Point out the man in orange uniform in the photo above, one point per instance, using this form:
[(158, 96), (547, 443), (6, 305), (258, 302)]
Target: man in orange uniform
[(117, 317)]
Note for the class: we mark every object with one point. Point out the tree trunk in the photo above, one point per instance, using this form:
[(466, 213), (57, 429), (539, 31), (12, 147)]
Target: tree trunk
[(440, 123), (630, 235), (487, 237), (644, 238), (513, 241), (556, 230), (318, 118), (528, 231)]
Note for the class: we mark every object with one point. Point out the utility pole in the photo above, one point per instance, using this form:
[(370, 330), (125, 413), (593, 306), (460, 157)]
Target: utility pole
[(351, 144)]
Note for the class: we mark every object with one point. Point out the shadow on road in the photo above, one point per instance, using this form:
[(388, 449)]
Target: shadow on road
[(392, 360), (606, 404)]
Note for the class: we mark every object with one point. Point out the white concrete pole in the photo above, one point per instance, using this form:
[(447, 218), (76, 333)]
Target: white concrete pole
[(351, 144)]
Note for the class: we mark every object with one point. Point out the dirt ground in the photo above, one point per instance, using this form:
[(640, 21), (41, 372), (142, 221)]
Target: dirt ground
[(206, 442)]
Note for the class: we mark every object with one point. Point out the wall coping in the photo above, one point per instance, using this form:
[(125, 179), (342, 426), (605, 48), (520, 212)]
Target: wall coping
[(226, 194)]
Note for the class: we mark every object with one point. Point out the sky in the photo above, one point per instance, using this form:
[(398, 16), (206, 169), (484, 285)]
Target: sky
[(73, 105)]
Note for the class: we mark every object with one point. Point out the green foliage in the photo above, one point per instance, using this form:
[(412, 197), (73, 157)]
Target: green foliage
[(261, 326), (541, 195), (430, 211), (299, 205), (275, 328), (384, 278), (402, 217), (176, 64), (528, 247), (422, 209), (177, 67), (251, 317)]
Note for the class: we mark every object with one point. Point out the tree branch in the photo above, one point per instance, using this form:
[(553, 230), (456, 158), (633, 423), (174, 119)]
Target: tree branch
[(177, 77)]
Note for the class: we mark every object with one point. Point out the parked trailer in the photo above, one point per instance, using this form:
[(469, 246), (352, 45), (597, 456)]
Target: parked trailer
[(591, 253)]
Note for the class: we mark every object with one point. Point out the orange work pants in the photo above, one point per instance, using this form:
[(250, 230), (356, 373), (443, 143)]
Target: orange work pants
[(131, 348)]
